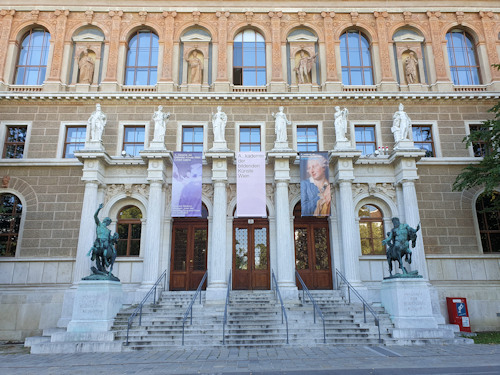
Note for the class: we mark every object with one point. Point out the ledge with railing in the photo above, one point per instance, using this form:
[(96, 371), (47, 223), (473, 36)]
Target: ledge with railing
[(224, 321), (366, 305), (152, 292), (189, 311), (316, 308), (277, 294)]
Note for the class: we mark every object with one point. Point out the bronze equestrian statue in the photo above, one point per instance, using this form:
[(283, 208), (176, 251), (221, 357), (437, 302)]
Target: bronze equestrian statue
[(398, 244)]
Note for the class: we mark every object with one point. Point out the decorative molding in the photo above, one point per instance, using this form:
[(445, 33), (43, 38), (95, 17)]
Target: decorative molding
[(386, 189), (207, 190), (127, 189)]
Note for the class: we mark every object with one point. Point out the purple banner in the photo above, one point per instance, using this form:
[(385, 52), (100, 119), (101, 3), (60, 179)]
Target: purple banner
[(251, 184), (315, 194), (186, 184)]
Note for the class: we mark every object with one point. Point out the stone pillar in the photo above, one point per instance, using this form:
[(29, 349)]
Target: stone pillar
[(157, 165), (332, 80), (388, 82), (53, 82), (277, 83), (8, 16), (285, 267), (217, 272), (343, 163), (221, 83), (491, 47), (166, 82), (109, 83), (443, 82)]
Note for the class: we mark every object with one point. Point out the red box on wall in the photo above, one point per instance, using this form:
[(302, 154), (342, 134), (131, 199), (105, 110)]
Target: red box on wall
[(458, 312)]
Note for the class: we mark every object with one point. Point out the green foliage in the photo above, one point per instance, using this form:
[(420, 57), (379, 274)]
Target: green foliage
[(487, 338), (486, 173)]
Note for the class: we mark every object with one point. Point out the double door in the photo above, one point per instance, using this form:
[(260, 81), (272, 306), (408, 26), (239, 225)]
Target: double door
[(189, 253), (251, 254)]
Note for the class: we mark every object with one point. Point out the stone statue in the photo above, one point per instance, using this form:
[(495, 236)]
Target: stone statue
[(280, 124), (86, 65), (398, 245), (341, 124), (304, 67), (103, 251), (410, 64), (219, 120), (97, 122), (401, 125), (195, 68), (160, 119)]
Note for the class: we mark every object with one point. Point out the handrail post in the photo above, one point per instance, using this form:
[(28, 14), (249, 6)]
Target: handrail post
[(140, 317), (364, 312)]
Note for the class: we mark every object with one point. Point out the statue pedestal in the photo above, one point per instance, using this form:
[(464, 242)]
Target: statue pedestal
[(408, 301), (96, 305), (157, 145), (219, 146), (404, 145), (343, 145)]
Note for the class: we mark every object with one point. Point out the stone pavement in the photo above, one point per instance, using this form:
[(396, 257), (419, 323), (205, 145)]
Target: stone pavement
[(349, 360)]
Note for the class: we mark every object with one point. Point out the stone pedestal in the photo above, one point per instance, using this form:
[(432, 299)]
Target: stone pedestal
[(408, 301), (96, 305)]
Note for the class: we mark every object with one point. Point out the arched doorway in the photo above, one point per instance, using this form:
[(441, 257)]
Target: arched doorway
[(189, 251), (312, 250), (251, 254)]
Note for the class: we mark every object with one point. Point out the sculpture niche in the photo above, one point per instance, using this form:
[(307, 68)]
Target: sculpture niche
[(103, 251), (398, 246)]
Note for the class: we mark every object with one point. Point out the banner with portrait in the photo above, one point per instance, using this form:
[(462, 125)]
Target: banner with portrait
[(186, 184), (251, 184), (315, 193)]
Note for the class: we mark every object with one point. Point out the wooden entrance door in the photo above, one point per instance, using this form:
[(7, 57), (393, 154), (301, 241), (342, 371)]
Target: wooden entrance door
[(251, 254), (189, 253), (312, 252)]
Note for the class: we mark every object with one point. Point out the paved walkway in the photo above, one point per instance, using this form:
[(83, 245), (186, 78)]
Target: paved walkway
[(349, 360)]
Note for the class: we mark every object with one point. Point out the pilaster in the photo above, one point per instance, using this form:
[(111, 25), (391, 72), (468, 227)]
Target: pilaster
[(222, 84), (166, 82), (491, 47), (285, 246), (53, 82), (277, 83), (442, 82), (7, 18), (110, 83), (332, 80), (388, 83)]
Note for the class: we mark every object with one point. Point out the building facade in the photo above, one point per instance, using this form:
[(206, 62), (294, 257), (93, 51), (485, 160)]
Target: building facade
[(57, 63)]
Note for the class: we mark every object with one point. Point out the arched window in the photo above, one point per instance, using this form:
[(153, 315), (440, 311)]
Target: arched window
[(142, 59), (371, 230), (11, 210), (464, 68), (356, 59), (32, 63), (249, 59), (489, 223), (129, 231)]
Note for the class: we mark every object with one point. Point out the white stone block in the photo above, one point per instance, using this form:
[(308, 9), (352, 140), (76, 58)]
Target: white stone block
[(96, 305)]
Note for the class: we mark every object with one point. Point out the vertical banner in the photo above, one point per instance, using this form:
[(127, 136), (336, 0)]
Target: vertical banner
[(315, 194), (186, 184), (251, 184)]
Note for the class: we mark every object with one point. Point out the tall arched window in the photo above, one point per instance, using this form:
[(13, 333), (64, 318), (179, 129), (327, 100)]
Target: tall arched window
[(129, 231), (249, 59), (464, 68), (142, 59), (489, 224), (356, 59), (32, 63), (371, 230), (11, 210)]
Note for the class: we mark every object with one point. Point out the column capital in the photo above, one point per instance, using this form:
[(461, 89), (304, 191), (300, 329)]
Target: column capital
[(223, 14), (328, 14), (275, 14), (169, 14)]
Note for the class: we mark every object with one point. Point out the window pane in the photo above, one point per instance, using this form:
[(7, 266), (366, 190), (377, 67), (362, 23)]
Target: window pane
[(244, 134), (261, 54), (249, 77), (261, 77), (237, 54), (249, 57), (301, 255)]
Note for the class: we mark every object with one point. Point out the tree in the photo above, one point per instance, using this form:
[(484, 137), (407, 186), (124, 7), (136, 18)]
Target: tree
[(487, 172)]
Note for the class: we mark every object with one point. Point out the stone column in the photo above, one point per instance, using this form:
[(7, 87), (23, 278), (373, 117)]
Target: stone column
[(87, 233), (8, 16), (332, 81), (285, 267), (277, 83), (443, 82), (388, 80), (221, 83), (217, 254), (491, 47), (53, 81), (109, 83), (166, 82)]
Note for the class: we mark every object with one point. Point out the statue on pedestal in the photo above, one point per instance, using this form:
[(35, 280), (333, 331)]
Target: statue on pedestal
[(160, 119), (401, 125), (219, 120), (96, 123), (304, 67), (410, 64), (341, 124), (195, 68), (280, 124), (103, 251), (398, 246), (86, 66)]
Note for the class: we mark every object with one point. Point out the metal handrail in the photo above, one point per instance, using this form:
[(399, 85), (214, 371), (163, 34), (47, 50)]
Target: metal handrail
[(190, 307), (138, 310), (278, 294), (315, 305), (225, 309), (365, 304)]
